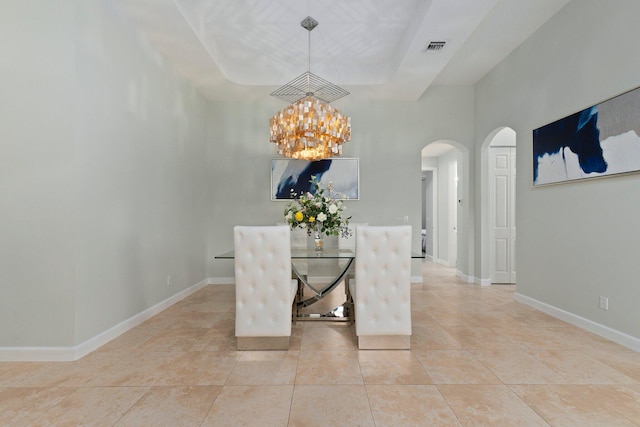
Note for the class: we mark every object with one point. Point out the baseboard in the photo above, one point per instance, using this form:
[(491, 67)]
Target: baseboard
[(482, 282), (472, 279), (464, 277), (604, 331), (64, 354)]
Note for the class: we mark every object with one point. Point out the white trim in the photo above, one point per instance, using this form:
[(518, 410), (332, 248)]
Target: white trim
[(482, 282), (62, 354), (464, 277), (472, 279), (443, 262), (434, 212), (604, 331)]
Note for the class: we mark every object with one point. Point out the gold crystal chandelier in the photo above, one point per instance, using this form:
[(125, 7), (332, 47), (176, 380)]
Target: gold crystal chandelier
[(309, 128)]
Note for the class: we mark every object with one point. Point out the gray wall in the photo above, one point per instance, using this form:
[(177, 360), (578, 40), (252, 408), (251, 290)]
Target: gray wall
[(576, 241), (36, 173), (140, 174), (115, 174), (102, 174), (387, 138)]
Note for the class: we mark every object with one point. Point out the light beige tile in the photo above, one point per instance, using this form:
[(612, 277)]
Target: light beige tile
[(135, 369), (625, 361), (89, 406), (574, 405), (328, 337), (216, 340), (15, 374), (536, 338), (224, 322), (575, 367), (198, 368), (295, 342), (409, 405), (455, 367), (489, 405), (328, 367), (130, 340), (330, 405), (471, 337), (213, 304), (265, 368), (190, 319), (516, 367), (173, 340), (391, 367), (432, 337), (624, 399), (20, 406), (579, 339), (71, 374), (491, 319), (171, 406), (537, 318), (263, 406), (420, 316)]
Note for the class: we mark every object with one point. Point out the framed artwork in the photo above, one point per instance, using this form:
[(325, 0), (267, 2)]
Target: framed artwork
[(287, 174), (598, 141)]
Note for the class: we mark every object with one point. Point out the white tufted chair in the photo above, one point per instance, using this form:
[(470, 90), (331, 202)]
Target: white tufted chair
[(265, 292), (299, 236), (350, 243), (381, 291)]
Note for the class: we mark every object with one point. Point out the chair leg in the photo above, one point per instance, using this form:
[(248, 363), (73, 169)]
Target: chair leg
[(349, 303), (294, 311)]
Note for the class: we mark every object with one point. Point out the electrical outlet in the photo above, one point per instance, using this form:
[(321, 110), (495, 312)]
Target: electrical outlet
[(406, 219), (604, 303), (169, 280)]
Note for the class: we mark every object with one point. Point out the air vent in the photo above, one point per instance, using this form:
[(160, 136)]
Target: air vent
[(433, 47)]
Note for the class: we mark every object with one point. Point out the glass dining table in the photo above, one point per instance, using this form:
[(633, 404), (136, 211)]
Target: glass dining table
[(317, 298), (311, 291)]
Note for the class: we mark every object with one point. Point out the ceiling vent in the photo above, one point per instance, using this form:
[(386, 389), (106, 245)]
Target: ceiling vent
[(433, 47)]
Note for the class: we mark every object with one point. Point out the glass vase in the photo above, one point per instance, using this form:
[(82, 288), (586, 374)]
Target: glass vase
[(317, 239)]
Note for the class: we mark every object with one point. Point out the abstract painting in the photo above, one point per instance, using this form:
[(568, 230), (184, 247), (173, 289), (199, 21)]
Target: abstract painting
[(598, 141), (288, 174)]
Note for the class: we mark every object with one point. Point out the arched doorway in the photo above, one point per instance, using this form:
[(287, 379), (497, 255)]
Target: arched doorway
[(443, 165)]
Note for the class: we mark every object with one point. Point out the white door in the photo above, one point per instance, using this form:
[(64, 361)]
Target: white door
[(453, 214), (429, 218), (502, 168)]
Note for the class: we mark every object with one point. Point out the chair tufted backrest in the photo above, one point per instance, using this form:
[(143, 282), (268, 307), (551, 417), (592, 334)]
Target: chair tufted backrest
[(263, 281), (383, 280), (299, 236)]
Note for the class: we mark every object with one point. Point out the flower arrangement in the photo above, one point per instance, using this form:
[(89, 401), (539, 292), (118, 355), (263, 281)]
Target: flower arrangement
[(320, 212)]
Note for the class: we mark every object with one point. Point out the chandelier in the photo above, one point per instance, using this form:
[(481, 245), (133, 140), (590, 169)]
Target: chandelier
[(309, 128)]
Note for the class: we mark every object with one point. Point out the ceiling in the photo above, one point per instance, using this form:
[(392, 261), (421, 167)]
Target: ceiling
[(373, 48)]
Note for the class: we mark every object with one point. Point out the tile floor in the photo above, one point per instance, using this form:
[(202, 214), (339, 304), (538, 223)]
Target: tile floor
[(477, 358)]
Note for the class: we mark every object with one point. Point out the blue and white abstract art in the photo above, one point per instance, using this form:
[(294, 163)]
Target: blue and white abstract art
[(287, 174), (598, 141)]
